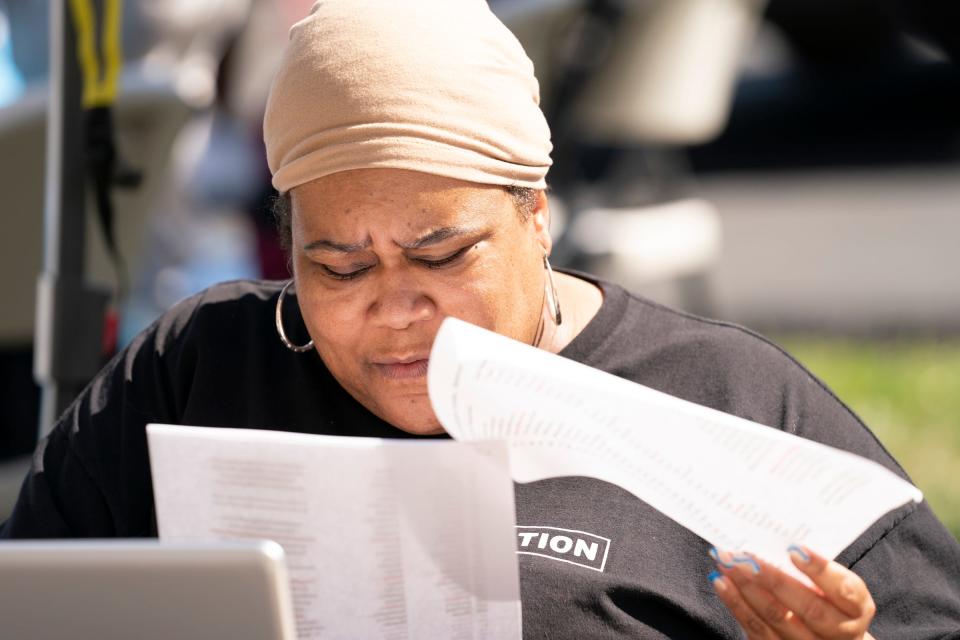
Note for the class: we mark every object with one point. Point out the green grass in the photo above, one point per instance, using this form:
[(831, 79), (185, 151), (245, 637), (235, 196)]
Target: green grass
[(908, 393)]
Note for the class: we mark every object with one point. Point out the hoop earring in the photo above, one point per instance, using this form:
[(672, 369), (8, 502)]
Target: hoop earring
[(552, 299), (278, 317)]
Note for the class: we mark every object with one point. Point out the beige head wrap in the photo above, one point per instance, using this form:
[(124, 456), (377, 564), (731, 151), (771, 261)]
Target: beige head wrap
[(437, 86)]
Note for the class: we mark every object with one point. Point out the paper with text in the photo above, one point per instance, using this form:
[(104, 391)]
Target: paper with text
[(383, 538), (739, 485)]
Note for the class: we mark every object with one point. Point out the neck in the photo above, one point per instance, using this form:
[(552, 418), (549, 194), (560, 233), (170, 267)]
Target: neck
[(579, 302)]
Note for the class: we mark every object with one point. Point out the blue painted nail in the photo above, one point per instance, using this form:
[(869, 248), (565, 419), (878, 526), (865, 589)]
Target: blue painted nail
[(798, 551), (714, 575), (747, 560), (716, 557)]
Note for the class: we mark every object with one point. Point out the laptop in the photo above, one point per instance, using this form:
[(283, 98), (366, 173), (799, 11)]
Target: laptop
[(144, 590)]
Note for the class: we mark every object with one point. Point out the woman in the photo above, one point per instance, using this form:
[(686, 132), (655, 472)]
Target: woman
[(411, 153)]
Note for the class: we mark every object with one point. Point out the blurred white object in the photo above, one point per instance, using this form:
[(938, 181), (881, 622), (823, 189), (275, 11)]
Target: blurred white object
[(649, 244), (851, 250), (670, 76), (192, 36), (256, 56)]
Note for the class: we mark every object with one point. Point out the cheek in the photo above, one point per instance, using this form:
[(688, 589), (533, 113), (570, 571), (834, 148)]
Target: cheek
[(495, 297), (474, 301), (334, 321)]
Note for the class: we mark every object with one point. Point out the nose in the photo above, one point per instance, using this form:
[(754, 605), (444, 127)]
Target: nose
[(401, 303)]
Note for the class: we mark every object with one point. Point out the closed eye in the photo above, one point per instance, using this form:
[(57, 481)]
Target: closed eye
[(442, 262), (344, 275)]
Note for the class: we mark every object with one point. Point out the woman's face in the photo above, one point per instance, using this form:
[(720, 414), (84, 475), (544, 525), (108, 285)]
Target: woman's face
[(382, 256)]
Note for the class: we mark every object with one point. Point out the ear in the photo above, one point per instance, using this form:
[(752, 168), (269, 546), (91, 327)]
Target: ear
[(540, 219)]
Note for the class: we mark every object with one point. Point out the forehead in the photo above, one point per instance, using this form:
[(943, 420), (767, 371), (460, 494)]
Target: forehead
[(394, 198)]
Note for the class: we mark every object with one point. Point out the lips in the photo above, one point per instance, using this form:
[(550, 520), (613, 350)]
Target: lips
[(401, 368)]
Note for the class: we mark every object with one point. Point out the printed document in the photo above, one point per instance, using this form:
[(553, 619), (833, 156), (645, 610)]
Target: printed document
[(383, 538), (740, 485)]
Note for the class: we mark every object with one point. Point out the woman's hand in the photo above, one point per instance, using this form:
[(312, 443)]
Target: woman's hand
[(769, 603)]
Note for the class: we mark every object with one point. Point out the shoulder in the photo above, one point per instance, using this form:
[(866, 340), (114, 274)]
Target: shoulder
[(684, 354), (724, 358), (220, 314), (232, 301), (208, 335), (726, 367)]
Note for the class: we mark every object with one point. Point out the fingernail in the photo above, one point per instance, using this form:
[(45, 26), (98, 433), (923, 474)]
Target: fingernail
[(730, 561), (716, 579), (747, 560), (798, 553), (721, 559)]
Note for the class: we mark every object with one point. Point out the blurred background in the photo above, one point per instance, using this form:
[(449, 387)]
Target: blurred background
[(789, 165)]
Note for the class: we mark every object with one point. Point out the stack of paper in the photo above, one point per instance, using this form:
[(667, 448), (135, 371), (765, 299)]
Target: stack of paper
[(383, 538)]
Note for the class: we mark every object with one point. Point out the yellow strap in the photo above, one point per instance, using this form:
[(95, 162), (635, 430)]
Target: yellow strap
[(99, 84)]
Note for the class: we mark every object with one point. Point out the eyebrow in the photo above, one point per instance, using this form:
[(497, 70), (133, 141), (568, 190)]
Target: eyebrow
[(437, 236), (339, 247), (431, 238)]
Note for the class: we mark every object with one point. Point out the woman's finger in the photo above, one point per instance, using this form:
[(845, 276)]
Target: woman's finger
[(757, 584), (841, 587), (780, 618), (731, 597), (809, 607)]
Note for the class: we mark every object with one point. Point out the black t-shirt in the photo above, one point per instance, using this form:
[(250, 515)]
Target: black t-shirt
[(595, 561)]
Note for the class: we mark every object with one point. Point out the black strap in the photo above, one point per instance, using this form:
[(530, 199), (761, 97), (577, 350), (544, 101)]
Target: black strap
[(106, 170)]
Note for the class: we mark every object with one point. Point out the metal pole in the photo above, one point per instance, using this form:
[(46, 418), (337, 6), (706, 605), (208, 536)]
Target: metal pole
[(69, 313)]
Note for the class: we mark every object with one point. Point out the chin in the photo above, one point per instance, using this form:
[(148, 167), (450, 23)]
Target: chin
[(403, 404), (423, 430), (418, 427), (418, 419)]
